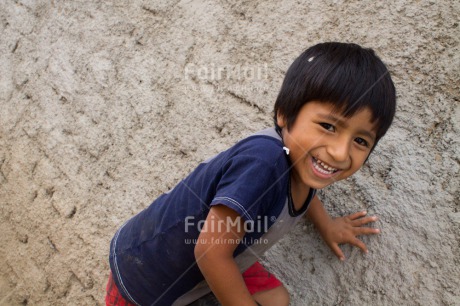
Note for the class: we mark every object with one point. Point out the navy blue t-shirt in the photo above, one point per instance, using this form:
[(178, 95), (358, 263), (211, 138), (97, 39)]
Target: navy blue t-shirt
[(152, 255)]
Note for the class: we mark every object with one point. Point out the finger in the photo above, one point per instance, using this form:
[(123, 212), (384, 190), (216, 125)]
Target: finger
[(363, 221), (357, 215), (366, 231), (358, 243), (338, 252)]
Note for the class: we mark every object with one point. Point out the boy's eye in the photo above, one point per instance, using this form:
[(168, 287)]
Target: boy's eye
[(328, 126), (361, 142)]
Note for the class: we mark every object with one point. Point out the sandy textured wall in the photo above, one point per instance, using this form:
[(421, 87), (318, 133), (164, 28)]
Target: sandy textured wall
[(106, 104)]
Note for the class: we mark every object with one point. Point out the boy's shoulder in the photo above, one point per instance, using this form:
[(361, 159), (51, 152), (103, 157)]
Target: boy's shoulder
[(264, 145)]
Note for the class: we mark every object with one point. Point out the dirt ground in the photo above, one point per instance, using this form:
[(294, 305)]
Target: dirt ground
[(107, 104)]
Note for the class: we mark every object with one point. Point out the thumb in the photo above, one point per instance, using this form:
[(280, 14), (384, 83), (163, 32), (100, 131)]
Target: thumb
[(338, 252)]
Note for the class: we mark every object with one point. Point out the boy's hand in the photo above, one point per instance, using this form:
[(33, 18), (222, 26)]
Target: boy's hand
[(346, 229), (340, 230)]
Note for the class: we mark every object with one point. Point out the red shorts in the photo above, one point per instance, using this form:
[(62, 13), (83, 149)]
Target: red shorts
[(113, 296), (257, 279)]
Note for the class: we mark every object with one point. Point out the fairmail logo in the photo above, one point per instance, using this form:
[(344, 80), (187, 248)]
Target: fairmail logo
[(213, 72), (228, 224)]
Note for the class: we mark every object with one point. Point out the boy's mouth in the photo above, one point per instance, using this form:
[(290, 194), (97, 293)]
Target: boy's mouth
[(322, 167)]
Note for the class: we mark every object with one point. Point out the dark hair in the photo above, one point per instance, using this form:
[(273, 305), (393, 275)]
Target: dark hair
[(346, 75)]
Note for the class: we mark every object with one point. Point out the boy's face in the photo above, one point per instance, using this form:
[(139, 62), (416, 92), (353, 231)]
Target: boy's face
[(326, 147)]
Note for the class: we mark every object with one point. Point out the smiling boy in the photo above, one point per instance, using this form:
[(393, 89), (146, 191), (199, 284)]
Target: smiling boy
[(336, 102), (326, 148)]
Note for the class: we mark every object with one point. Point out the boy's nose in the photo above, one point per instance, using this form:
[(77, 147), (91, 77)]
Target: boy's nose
[(339, 150)]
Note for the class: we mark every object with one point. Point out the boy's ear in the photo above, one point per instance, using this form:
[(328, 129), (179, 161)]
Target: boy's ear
[(280, 120)]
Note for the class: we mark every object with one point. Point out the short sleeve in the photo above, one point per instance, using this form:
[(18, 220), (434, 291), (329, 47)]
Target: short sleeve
[(248, 186)]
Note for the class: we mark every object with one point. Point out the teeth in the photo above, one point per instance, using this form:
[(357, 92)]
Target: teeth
[(325, 168)]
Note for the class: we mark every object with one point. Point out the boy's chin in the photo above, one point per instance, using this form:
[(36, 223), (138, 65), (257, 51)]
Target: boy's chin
[(320, 184)]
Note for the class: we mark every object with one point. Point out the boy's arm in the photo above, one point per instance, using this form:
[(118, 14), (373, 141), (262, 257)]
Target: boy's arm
[(340, 230), (214, 256)]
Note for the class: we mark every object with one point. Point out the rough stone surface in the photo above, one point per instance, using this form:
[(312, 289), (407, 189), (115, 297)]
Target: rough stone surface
[(107, 104)]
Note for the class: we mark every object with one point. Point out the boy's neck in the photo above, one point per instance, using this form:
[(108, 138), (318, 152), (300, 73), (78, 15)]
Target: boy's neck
[(299, 193)]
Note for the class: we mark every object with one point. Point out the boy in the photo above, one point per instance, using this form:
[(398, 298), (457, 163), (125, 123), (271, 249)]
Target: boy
[(336, 102)]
